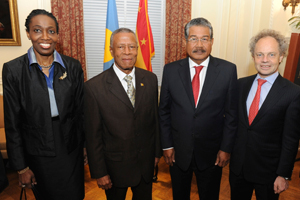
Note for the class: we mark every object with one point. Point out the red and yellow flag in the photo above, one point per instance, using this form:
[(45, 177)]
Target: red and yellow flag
[(145, 38)]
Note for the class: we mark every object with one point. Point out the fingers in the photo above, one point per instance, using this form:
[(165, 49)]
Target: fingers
[(33, 180), (169, 156), (104, 182), (27, 179), (217, 161), (280, 185)]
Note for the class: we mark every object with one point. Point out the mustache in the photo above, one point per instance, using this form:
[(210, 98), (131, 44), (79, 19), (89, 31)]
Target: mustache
[(201, 50)]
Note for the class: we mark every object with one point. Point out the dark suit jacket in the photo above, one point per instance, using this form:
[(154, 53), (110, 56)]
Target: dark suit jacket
[(203, 130), (122, 141), (268, 147), (27, 114)]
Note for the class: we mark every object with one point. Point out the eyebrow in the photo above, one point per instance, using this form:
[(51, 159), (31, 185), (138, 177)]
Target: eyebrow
[(196, 36), (39, 26)]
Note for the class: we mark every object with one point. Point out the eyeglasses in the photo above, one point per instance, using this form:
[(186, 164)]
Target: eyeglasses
[(130, 47), (194, 40)]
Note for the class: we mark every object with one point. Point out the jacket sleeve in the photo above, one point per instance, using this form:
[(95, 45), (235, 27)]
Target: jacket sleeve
[(94, 134), (164, 112), (231, 113), (158, 150), (12, 114), (290, 138)]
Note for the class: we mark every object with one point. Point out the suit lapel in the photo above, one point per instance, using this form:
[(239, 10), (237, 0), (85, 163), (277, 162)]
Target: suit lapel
[(210, 78), (185, 75), (244, 95), (272, 98), (115, 86), (139, 85)]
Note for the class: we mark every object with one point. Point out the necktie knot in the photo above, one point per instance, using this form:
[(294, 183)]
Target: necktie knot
[(128, 78), (261, 82), (198, 69)]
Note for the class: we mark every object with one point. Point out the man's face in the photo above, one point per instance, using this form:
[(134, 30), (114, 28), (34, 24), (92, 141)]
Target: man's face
[(199, 43), (124, 50), (266, 56)]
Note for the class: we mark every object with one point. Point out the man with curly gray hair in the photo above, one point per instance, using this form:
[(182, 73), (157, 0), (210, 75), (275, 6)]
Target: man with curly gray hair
[(268, 131)]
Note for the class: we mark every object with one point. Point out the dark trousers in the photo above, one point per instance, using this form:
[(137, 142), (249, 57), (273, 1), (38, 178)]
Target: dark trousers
[(208, 182), (243, 189), (3, 177), (143, 191)]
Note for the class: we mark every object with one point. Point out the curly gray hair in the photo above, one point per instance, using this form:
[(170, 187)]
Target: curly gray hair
[(283, 43)]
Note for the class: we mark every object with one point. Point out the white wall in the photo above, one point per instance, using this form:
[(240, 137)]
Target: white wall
[(236, 21), (8, 53)]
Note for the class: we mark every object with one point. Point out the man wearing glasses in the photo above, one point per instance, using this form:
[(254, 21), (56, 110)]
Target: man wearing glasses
[(198, 114)]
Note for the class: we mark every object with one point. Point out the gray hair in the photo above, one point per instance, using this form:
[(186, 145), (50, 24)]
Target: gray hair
[(121, 30), (282, 42), (198, 22)]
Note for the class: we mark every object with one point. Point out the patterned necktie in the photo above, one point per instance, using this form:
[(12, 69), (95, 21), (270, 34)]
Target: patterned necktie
[(130, 89), (196, 83), (255, 103)]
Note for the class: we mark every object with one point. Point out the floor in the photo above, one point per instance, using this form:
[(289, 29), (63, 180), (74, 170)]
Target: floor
[(161, 189)]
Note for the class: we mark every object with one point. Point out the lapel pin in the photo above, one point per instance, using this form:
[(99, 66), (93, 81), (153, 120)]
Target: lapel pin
[(63, 76), (142, 84)]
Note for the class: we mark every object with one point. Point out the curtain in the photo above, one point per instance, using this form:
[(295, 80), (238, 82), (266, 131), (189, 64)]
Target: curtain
[(178, 14), (69, 14)]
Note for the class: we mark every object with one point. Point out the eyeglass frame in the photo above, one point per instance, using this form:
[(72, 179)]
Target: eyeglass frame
[(204, 40)]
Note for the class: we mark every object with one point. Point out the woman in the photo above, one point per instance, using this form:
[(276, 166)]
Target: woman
[(43, 99)]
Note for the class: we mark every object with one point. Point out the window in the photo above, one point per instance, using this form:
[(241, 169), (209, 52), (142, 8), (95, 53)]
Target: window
[(95, 23)]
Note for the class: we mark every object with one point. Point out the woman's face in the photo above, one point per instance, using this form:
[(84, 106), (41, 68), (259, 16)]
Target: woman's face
[(43, 35)]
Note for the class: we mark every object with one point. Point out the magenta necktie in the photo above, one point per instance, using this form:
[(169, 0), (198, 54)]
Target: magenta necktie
[(255, 103)]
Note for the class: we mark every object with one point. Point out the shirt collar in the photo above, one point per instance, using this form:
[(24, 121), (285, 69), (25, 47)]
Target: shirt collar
[(121, 74), (204, 63), (270, 79), (32, 57)]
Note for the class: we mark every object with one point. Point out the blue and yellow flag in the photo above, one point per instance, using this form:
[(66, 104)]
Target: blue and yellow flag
[(111, 25)]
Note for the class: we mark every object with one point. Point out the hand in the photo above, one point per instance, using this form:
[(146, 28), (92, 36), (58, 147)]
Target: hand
[(222, 158), (280, 185), (85, 158), (104, 182), (27, 179), (156, 161), (169, 156)]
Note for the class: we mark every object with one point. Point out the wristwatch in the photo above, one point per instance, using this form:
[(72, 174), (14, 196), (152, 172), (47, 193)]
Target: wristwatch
[(286, 178)]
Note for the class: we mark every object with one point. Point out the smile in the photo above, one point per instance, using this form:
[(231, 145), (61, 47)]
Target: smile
[(45, 46)]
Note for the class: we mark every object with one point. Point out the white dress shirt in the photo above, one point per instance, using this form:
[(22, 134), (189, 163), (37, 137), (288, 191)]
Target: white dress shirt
[(202, 74), (121, 75), (265, 88)]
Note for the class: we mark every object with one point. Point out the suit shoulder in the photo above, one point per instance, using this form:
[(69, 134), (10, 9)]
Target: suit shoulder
[(70, 62), (68, 58), (223, 62), (177, 62), (291, 85), (98, 78), (17, 62), (145, 72)]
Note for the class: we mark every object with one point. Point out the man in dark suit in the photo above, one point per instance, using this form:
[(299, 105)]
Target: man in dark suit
[(269, 124), (198, 118), (121, 123)]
